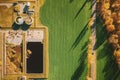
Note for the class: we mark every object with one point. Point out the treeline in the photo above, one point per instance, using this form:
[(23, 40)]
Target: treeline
[(109, 10)]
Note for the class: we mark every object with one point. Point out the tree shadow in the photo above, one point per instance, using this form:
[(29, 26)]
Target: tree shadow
[(104, 51), (82, 66), (81, 8), (110, 70), (70, 1), (101, 33), (85, 45), (83, 55), (80, 36)]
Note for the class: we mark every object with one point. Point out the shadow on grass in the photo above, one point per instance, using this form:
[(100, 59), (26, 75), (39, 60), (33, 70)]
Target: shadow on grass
[(110, 69), (82, 66), (80, 36), (85, 45), (71, 1), (101, 34), (83, 55), (81, 8), (104, 51)]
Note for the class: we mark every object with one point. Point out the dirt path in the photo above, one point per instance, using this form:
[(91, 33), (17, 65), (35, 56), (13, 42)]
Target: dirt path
[(93, 65)]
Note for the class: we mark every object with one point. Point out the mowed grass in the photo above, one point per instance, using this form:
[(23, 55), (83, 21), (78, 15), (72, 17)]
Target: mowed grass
[(68, 37), (64, 29)]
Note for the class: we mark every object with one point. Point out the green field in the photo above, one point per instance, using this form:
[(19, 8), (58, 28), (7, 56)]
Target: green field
[(66, 22), (68, 40)]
